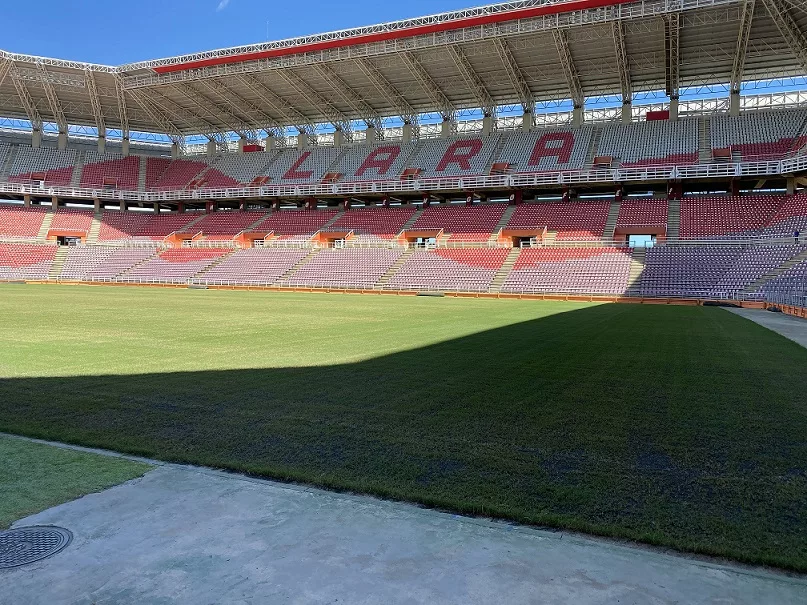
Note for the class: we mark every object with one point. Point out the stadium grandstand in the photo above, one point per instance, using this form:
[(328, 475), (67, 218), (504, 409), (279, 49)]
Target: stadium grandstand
[(503, 150)]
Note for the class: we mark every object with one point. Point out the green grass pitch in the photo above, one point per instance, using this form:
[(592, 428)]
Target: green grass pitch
[(676, 426)]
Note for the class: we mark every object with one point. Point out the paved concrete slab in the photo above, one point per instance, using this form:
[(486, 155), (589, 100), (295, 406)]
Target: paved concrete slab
[(793, 328), (184, 535)]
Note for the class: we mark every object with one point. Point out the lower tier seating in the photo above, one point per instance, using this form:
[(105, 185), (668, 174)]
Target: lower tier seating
[(468, 270), (175, 265), (571, 271), (715, 271), (254, 266), (351, 268)]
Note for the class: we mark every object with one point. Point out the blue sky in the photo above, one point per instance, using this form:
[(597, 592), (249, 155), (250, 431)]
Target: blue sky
[(122, 31)]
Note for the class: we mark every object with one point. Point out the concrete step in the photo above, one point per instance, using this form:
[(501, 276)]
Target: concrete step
[(413, 220), (508, 214), (141, 177), (774, 273), (215, 263), (673, 219), (78, 169), (394, 268), (613, 216), (637, 264), (284, 279), (705, 140), (95, 229), (46, 223), (6, 168), (504, 271), (58, 263)]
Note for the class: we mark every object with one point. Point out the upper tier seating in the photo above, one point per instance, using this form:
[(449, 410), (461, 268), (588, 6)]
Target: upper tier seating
[(715, 216), (381, 162), (99, 170), (126, 225), (242, 167), (467, 223), (571, 221), (175, 265), (759, 135), (226, 224), (642, 213), (651, 143), (454, 157), (173, 175), (69, 219), (26, 261), (56, 166), (571, 271), (17, 221), (381, 222), (349, 268), (256, 266), (308, 166), (287, 223), (446, 269), (551, 149)]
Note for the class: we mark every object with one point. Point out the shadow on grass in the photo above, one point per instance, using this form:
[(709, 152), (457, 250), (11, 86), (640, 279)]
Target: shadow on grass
[(674, 426)]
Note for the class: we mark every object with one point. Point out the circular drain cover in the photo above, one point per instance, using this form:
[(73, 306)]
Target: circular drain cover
[(30, 544)]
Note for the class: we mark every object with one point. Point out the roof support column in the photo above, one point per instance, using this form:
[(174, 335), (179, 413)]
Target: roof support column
[(527, 121), (746, 19), (734, 103), (674, 109), (302, 140), (627, 111), (125, 145), (447, 128), (577, 116), (211, 148), (62, 140), (339, 137), (487, 125), (36, 137), (101, 143), (174, 150), (270, 142), (408, 132), (371, 134)]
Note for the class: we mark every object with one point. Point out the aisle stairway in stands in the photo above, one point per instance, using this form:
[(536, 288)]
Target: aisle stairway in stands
[(593, 149), (331, 222), (504, 271), (141, 177), (673, 219), (508, 214), (78, 170), (215, 263), (497, 152), (610, 224), (95, 229), (5, 170), (46, 223), (189, 227), (58, 263), (755, 286), (304, 261), (412, 220), (135, 266), (394, 268), (637, 264), (704, 140)]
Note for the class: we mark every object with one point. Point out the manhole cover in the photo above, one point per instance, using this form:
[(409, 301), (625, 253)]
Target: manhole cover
[(30, 544)]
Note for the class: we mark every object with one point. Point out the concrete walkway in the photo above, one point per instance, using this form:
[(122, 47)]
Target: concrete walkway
[(793, 328), (195, 536)]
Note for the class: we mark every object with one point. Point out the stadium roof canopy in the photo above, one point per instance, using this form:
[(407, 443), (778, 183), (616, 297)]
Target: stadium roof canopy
[(519, 52)]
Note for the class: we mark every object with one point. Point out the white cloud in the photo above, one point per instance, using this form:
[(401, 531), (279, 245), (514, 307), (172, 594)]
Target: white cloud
[(222, 5)]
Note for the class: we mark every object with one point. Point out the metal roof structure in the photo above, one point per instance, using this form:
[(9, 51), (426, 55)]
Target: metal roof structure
[(515, 53)]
